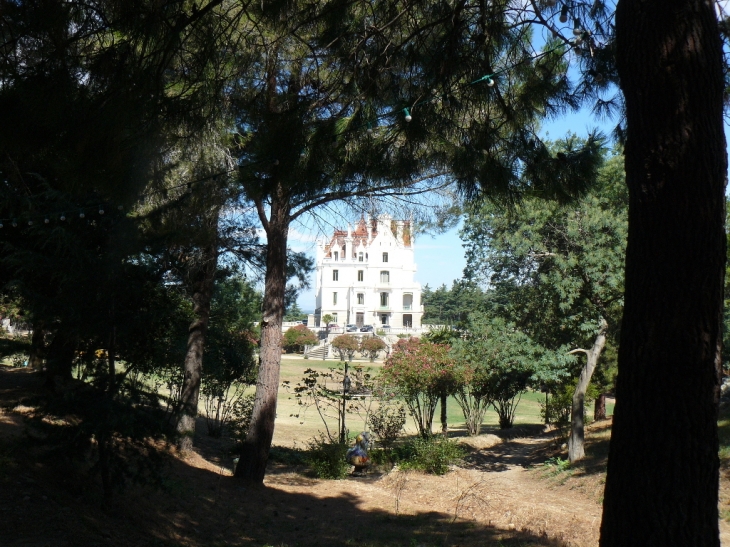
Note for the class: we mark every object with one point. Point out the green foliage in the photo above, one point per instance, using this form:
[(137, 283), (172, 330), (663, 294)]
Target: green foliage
[(495, 364), (561, 264), (451, 306), (441, 334), (386, 423), (297, 337), (287, 455), (432, 454), (240, 416), (293, 313), (327, 458), (371, 346), (346, 345), (322, 392), (556, 466), (555, 270), (229, 352), (12, 346), (117, 433), (560, 401), (419, 371)]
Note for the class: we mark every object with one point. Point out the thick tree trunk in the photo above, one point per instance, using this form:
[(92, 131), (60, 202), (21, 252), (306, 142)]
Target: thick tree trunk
[(37, 345), (576, 443), (599, 409), (662, 481), (59, 361), (202, 291), (255, 451), (444, 422)]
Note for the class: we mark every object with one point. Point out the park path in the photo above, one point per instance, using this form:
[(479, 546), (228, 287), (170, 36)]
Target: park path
[(495, 487)]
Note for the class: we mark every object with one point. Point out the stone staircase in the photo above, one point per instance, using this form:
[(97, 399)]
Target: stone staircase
[(318, 352)]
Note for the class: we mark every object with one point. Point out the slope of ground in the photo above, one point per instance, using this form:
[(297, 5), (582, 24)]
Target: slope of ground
[(498, 496)]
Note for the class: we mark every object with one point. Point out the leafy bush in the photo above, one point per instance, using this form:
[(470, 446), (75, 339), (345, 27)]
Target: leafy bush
[(297, 337), (371, 346), (240, 416), (287, 456), (346, 345), (386, 422), (559, 407), (420, 372), (327, 458), (496, 361), (555, 466), (430, 455)]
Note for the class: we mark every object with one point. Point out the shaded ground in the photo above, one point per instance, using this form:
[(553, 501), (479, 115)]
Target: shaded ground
[(495, 498)]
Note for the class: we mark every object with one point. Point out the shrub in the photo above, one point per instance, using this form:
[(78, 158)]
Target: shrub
[(419, 372), (346, 345), (559, 406), (386, 422), (327, 458), (497, 361), (431, 455), (371, 346), (297, 337), (555, 466), (240, 416)]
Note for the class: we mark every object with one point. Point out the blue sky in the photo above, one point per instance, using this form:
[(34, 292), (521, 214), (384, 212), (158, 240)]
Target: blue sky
[(440, 258)]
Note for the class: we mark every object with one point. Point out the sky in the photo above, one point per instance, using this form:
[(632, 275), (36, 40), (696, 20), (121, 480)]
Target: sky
[(439, 259)]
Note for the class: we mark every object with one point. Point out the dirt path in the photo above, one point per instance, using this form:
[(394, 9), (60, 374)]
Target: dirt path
[(499, 496), (495, 489)]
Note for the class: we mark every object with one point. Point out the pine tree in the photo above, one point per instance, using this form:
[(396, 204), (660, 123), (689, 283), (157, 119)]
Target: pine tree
[(663, 468), (348, 103)]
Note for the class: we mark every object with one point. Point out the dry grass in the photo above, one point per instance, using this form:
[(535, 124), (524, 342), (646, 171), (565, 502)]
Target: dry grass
[(501, 496)]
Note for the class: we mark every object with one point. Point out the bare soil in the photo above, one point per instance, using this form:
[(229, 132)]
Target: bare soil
[(501, 495)]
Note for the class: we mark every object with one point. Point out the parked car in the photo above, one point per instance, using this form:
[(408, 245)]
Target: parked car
[(333, 327), (351, 328), (366, 328)]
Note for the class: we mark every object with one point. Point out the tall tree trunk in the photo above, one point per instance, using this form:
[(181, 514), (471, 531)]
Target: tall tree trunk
[(201, 285), (444, 419), (599, 409), (576, 443), (59, 361), (255, 451), (663, 467), (37, 345)]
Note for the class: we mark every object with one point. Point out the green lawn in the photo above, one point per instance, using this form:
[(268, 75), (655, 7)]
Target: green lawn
[(290, 429)]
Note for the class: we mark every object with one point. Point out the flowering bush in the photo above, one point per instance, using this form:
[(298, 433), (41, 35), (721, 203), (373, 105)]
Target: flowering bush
[(346, 345), (420, 371), (372, 346), (299, 336)]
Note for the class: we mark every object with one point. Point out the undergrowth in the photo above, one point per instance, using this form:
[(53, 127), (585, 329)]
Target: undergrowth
[(556, 466), (327, 458), (432, 455)]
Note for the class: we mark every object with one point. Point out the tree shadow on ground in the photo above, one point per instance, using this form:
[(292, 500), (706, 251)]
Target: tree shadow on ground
[(523, 446), (59, 502)]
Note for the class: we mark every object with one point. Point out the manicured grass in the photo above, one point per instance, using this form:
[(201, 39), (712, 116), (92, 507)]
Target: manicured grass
[(301, 429)]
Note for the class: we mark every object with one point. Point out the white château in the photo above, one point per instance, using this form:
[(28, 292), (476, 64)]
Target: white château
[(365, 276)]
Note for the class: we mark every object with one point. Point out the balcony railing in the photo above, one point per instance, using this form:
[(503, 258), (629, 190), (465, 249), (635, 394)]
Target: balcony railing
[(407, 307)]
